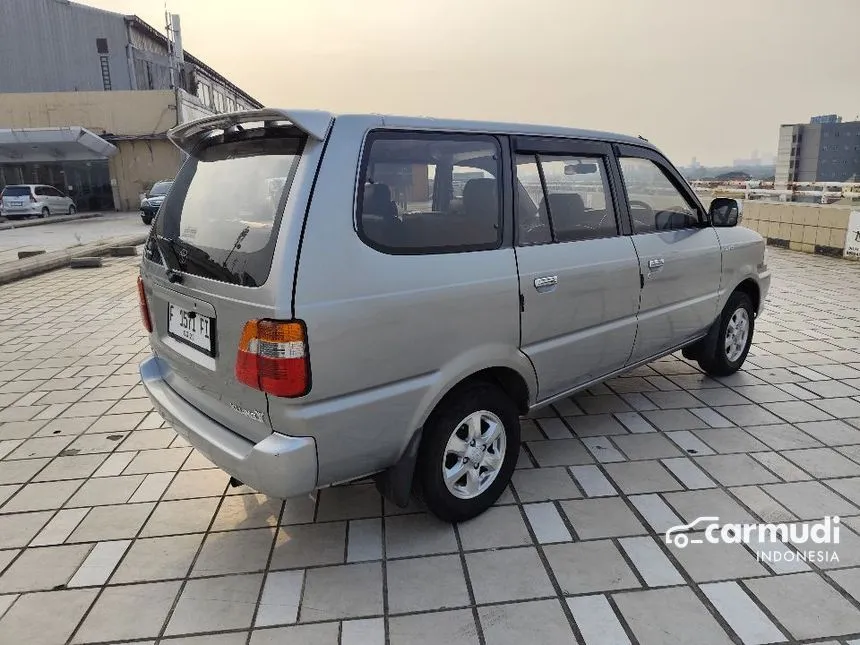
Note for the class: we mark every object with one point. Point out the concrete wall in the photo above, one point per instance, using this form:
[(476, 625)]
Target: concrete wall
[(144, 115), (50, 45), (138, 165), (801, 227), (120, 113)]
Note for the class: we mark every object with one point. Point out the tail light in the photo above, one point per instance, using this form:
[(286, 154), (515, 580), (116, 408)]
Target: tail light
[(273, 357), (144, 307)]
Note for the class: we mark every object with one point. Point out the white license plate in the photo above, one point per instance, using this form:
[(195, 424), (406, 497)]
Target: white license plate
[(190, 327)]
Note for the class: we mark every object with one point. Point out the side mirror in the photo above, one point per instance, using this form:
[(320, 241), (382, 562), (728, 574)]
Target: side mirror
[(724, 212)]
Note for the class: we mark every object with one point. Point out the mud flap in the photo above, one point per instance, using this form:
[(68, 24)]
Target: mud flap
[(395, 483)]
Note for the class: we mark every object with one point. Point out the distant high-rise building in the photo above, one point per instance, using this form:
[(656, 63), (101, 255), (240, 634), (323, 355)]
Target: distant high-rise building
[(825, 149)]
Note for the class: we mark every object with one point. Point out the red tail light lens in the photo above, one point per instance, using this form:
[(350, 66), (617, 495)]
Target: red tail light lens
[(144, 307), (273, 357)]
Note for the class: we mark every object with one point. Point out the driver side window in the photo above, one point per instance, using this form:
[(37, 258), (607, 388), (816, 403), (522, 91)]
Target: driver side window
[(655, 203)]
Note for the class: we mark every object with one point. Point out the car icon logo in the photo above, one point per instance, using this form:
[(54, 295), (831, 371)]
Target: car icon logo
[(680, 539)]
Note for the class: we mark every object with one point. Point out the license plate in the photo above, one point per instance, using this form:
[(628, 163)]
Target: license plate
[(16, 204), (191, 328)]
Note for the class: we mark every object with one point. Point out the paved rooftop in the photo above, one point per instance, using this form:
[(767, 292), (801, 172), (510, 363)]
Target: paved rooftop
[(113, 529)]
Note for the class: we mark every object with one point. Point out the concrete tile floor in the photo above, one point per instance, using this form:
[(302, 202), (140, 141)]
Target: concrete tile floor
[(112, 529)]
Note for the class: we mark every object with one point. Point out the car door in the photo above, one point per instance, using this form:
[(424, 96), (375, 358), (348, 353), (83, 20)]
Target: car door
[(58, 200), (578, 273), (679, 253)]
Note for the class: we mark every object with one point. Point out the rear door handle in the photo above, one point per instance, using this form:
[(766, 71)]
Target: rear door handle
[(656, 264), (546, 281)]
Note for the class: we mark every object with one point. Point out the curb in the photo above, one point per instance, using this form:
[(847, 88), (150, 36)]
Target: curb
[(54, 219), (12, 271)]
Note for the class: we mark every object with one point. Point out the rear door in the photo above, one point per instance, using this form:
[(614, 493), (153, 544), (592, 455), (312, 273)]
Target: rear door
[(579, 275), (213, 262), (678, 250)]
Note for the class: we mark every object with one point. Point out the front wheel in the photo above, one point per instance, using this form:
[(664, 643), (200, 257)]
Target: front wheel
[(726, 348), (469, 449), (45, 212), (72, 210)]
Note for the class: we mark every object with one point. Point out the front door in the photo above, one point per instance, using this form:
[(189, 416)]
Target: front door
[(579, 276), (679, 254)]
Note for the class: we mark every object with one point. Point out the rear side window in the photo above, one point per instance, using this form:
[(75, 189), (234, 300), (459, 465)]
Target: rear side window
[(430, 193), (221, 216), (563, 198)]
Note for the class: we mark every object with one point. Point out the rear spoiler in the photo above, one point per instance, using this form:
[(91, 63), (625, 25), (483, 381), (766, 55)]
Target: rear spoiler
[(314, 123)]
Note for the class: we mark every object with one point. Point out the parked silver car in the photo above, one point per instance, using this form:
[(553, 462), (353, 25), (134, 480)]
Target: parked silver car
[(411, 286), (26, 200)]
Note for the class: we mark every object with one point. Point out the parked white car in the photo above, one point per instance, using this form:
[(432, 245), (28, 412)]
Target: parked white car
[(26, 200)]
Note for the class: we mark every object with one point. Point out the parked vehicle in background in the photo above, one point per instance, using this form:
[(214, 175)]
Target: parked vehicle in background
[(153, 199), (27, 200), (415, 286)]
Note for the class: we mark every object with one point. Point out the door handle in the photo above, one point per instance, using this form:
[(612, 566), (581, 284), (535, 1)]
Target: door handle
[(656, 264), (546, 281)]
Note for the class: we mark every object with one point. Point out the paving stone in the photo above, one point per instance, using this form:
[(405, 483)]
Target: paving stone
[(642, 477), (735, 470), (282, 594), (349, 502), (127, 612), (45, 618), (38, 496), (559, 452), (508, 574), (197, 483), (823, 462), (669, 420), (411, 535), (214, 604), (831, 433), (729, 440), (105, 491), (180, 516), (112, 522), (650, 561), (762, 504), (659, 516), (43, 568), (748, 415), (669, 616), (499, 526), (602, 518), (741, 613), (809, 500), (246, 512), (596, 620), (541, 621), (17, 530), (160, 558), (585, 567), (761, 394), (234, 552), (307, 545), (450, 627), (442, 584), (806, 605), (345, 591), (688, 473), (592, 481), (783, 437), (690, 443), (646, 446), (705, 562), (698, 503)]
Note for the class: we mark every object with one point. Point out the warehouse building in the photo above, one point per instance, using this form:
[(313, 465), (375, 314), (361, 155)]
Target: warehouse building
[(87, 97)]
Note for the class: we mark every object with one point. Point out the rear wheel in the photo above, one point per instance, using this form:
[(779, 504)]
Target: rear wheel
[(725, 349), (45, 212), (469, 449)]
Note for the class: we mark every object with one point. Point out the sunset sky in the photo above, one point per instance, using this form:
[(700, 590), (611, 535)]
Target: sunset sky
[(697, 77)]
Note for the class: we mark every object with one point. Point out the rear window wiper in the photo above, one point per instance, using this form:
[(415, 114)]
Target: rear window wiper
[(174, 273)]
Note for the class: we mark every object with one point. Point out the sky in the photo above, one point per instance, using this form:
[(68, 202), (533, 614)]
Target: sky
[(699, 78)]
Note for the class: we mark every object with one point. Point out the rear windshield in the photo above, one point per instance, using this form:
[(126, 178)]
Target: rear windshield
[(160, 188), (16, 191), (221, 217)]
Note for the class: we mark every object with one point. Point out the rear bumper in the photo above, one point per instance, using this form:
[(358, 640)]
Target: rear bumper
[(279, 465)]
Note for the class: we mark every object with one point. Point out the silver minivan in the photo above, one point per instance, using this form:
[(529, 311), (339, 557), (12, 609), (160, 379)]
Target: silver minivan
[(336, 297)]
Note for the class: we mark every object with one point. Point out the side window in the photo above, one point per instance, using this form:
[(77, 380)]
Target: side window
[(655, 203), (40, 191), (430, 193), (565, 198)]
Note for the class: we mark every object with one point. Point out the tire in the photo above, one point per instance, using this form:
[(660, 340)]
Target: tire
[(718, 355), (486, 406), (45, 213), (72, 210), (147, 219)]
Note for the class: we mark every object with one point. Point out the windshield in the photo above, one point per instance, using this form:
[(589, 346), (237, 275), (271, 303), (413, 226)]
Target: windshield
[(160, 188), (16, 191), (222, 215)]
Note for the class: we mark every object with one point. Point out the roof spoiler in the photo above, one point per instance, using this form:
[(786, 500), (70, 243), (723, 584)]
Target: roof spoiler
[(314, 123)]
